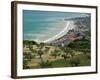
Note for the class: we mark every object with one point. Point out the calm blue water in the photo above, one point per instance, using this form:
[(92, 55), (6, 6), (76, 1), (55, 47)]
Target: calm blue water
[(41, 25)]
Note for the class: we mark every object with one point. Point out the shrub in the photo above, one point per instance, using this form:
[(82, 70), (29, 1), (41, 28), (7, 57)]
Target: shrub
[(46, 64), (75, 62)]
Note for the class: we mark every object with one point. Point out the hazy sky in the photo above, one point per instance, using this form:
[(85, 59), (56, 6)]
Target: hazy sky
[(42, 25)]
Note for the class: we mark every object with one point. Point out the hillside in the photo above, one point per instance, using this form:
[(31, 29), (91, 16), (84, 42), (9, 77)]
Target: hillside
[(81, 29)]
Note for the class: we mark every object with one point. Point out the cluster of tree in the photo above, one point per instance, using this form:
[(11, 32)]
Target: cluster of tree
[(82, 45), (46, 64), (27, 42)]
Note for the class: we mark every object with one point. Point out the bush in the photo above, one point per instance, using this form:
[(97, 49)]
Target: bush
[(25, 63), (75, 62), (46, 64)]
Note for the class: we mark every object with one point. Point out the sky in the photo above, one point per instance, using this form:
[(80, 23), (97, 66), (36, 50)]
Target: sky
[(42, 25)]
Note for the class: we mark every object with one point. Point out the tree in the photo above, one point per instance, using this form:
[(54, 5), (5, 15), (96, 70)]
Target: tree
[(42, 45), (34, 52), (47, 49), (46, 64), (25, 63), (85, 51), (68, 51), (28, 55), (26, 59), (80, 44), (40, 53), (64, 56), (75, 61), (55, 53), (72, 53), (88, 56)]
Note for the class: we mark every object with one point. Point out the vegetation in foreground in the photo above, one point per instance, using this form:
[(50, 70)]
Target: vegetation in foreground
[(43, 55)]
